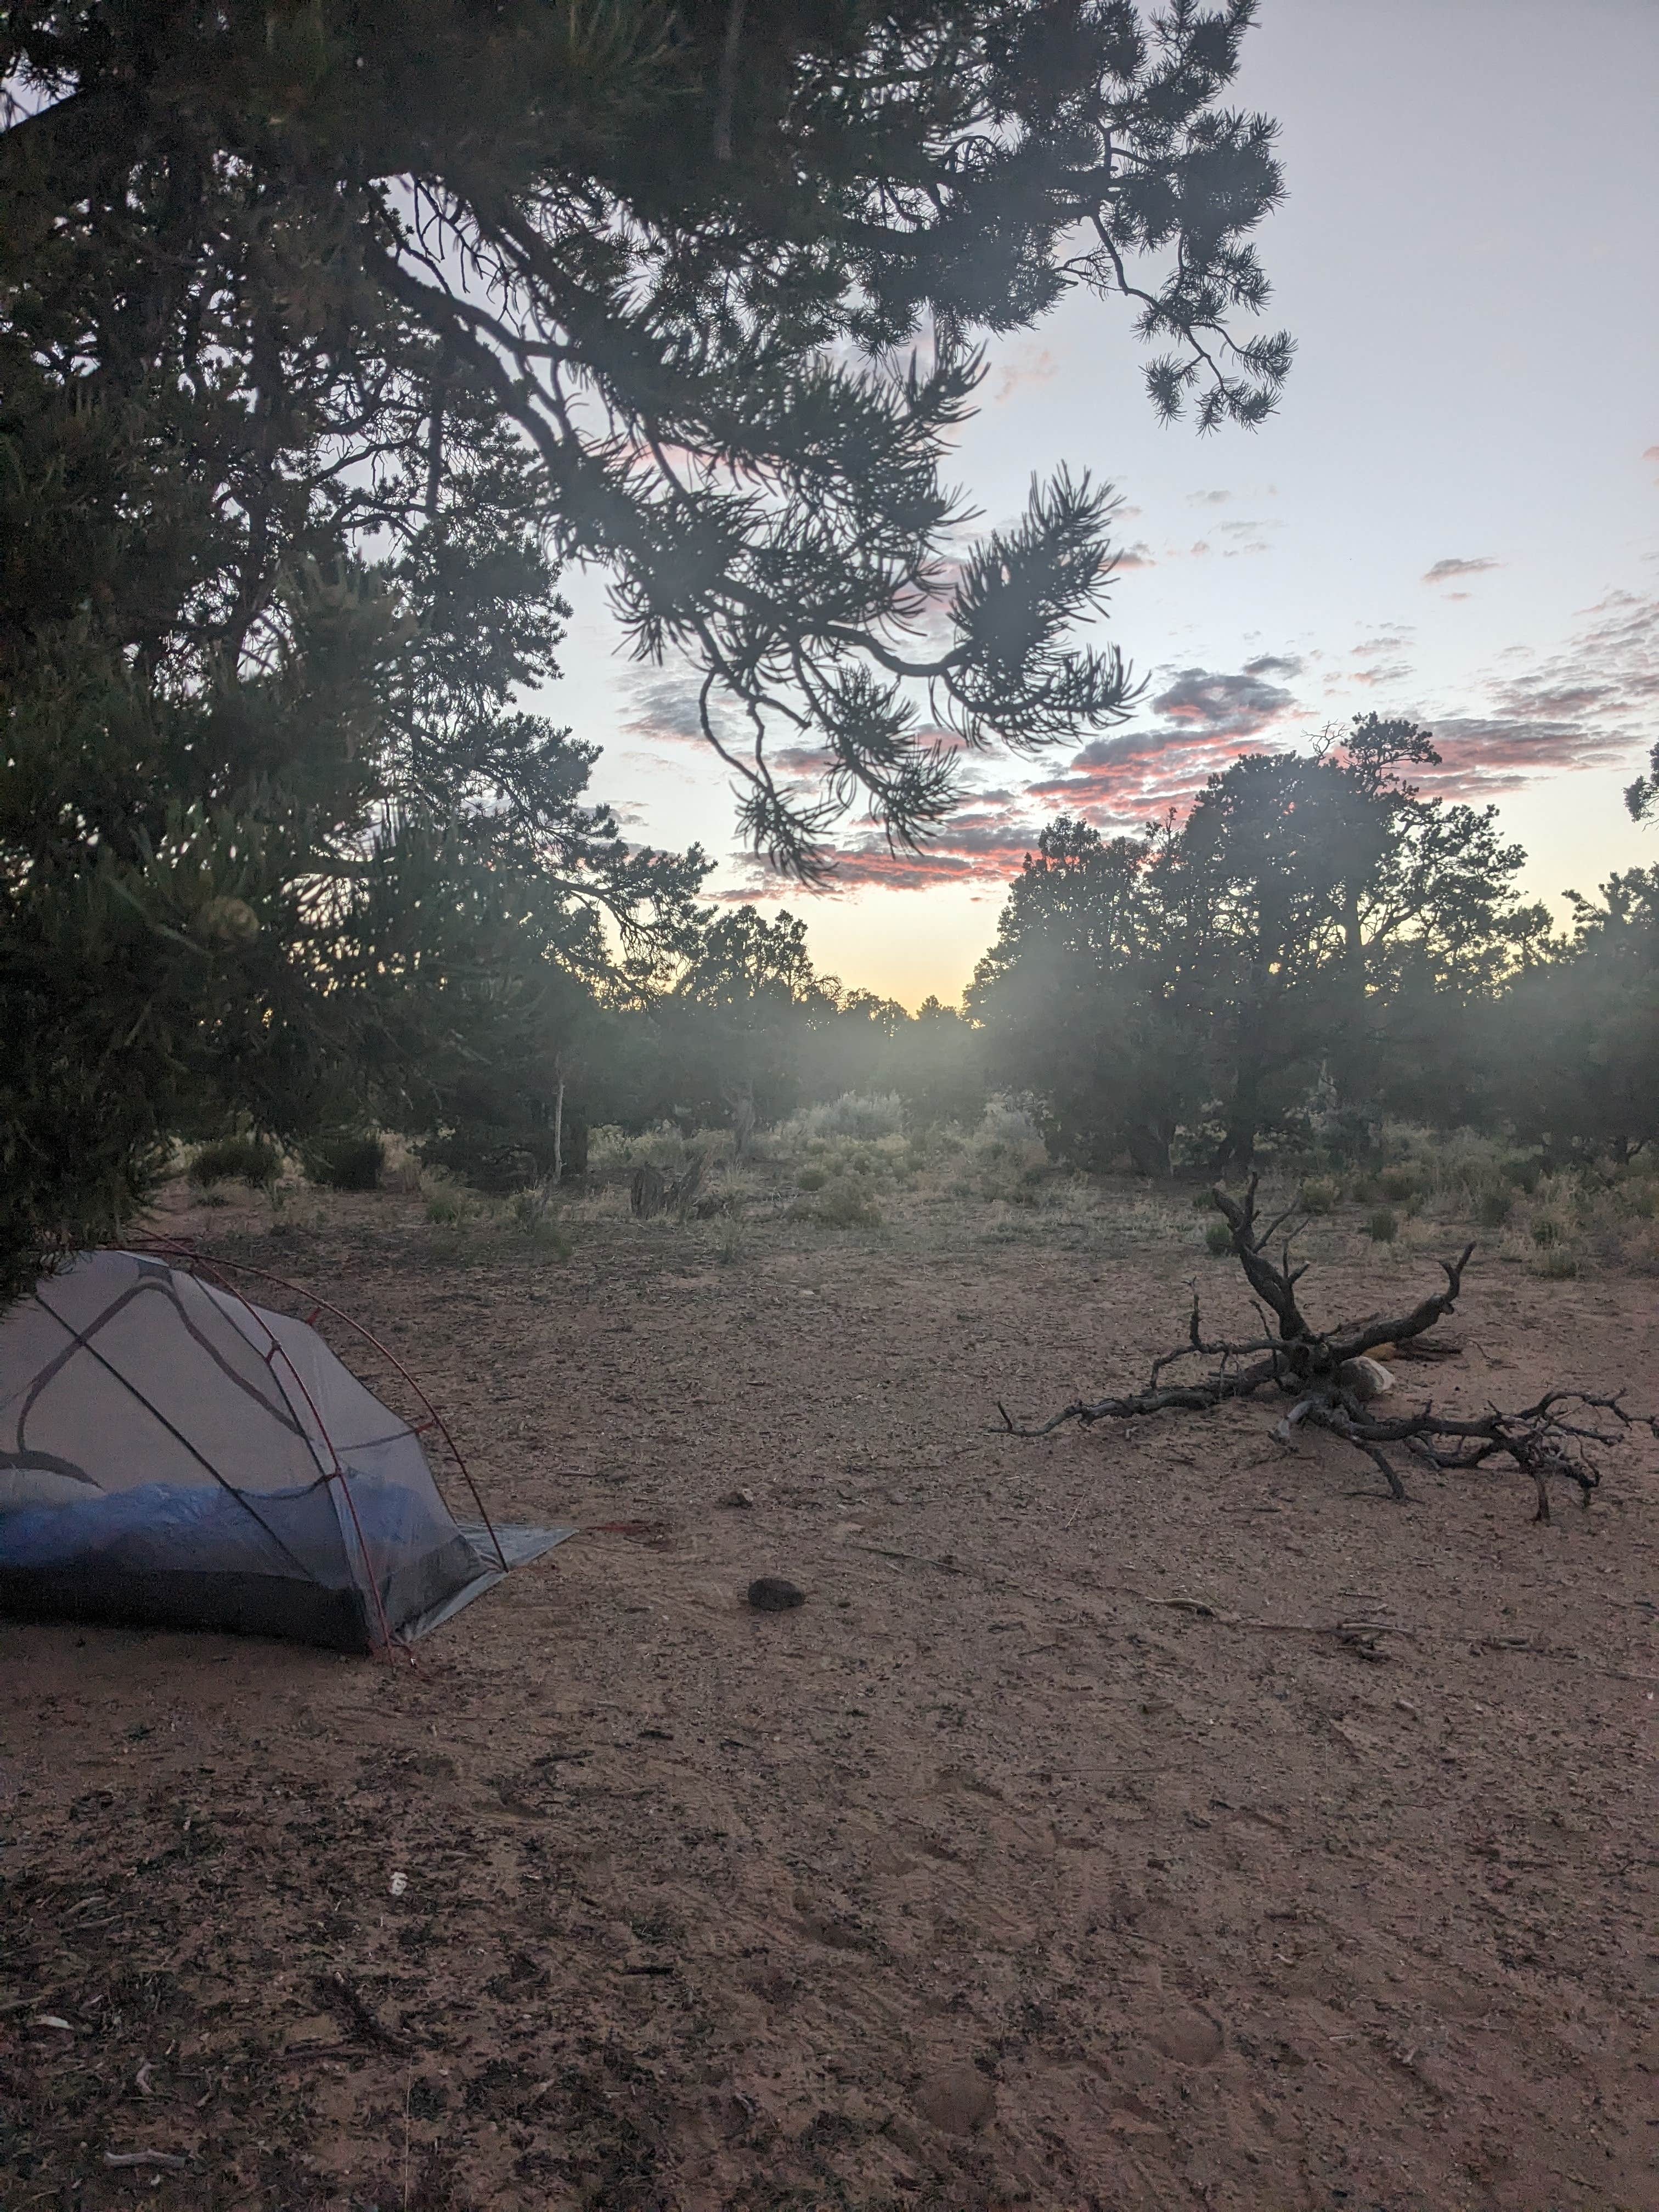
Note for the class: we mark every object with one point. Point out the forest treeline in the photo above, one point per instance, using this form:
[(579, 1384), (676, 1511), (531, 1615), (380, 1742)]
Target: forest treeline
[(1318, 947)]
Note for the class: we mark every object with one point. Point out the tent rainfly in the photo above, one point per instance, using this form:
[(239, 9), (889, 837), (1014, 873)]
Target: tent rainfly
[(173, 1457)]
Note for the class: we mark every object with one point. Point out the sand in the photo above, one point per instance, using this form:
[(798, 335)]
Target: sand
[(1138, 1818)]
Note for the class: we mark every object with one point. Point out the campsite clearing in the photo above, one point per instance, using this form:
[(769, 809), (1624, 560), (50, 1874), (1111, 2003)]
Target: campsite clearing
[(1148, 1818)]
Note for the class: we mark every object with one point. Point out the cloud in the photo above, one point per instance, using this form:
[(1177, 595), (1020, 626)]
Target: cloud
[(663, 707), (1029, 367), (1138, 556), (1442, 571), (1206, 719), (1651, 454), (1233, 706), (1589, 706), (1208, 498), (1482, 756)]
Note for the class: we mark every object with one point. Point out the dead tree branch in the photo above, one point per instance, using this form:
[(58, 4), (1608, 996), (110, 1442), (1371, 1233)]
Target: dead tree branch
[(1335, 1382)]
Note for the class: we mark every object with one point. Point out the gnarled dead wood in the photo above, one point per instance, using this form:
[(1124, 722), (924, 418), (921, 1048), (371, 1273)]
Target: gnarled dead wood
[(1333, 1382)]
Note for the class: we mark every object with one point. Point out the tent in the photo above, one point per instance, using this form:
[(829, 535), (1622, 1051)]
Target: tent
[(172, 1456)]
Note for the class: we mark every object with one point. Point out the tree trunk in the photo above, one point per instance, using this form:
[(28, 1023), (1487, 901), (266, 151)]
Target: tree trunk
[(558, 1133), (1149, 1149)]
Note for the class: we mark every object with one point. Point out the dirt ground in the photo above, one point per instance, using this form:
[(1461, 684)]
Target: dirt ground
[(1150, 1818)]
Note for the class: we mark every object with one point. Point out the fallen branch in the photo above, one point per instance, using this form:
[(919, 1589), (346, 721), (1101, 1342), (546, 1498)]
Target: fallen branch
[(1335, 1380)]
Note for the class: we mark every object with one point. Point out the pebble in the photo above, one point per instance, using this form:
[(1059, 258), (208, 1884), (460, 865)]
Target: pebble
[(738, 1498), (771, 1593)]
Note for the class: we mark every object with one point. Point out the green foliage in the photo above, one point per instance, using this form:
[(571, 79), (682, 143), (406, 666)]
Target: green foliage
[(327, 332), (1319, 1194), (1382, 1226), (1218, 1239), (1576, 1040), (252, 1160), (1276, 965), (841, 1203), (534, 1212), (345, 1160), (693, 270)]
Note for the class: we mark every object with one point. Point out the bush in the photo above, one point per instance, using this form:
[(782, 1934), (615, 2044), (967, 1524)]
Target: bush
[(1318, 1194), (842, 1205), (812, 1178), (1493, 1209), (849, 1116), (1557, 1263), (1382, 1227), (347, 1162), (1398, 1184), (1219, 1239), (252, 1160), (535, 1214)]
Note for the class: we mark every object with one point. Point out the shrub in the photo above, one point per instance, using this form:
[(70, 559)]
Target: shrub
[(1557, 1262), (842, 1205), (1493, 1208), (1546, 1231), (1319, 1194), (849, 1116), (252, 1160), (346, 1162), (1382, 1227), (1219, 1239), (812, 1178), (1398, 1184), (534, 1212)]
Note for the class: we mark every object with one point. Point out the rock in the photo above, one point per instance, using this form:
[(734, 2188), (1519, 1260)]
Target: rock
[(771, 1593), (1365, 1378), (738, 1498), (959, 2101)]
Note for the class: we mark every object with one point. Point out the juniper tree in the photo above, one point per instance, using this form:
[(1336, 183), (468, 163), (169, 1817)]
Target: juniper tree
[(330, 329), (723, 269), (1311, 910)]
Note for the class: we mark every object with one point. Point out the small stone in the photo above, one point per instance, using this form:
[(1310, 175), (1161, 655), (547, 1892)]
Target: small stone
[(738, 1499), (959, 2102), (771, 1593)]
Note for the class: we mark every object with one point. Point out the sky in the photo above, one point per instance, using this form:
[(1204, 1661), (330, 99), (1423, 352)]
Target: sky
[(1453, 516)]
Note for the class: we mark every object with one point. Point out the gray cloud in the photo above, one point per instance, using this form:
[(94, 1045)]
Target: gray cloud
[(1443, 571), (1225, 705)]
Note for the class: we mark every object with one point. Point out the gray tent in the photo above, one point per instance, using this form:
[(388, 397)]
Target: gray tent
[(172, 1456)]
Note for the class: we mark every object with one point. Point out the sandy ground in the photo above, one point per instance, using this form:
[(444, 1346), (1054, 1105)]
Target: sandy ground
[(1147, 1819)]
